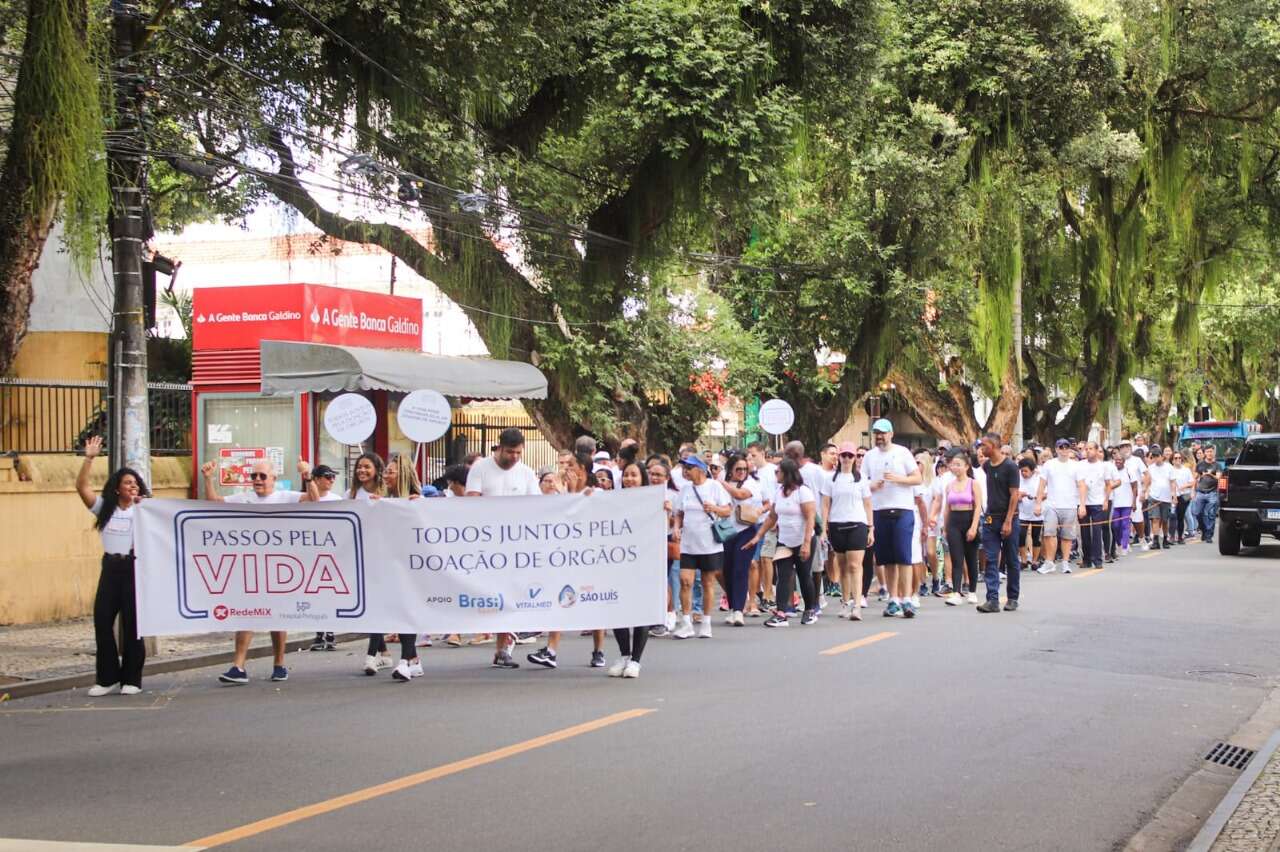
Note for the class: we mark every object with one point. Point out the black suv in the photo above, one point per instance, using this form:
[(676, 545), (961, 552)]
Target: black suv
[(1250, 505)]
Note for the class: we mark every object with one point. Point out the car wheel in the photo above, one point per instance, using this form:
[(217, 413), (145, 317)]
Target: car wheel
[(1228, 540)]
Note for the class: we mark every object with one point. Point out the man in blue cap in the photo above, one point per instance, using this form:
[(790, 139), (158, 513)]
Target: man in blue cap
[(892, 473)]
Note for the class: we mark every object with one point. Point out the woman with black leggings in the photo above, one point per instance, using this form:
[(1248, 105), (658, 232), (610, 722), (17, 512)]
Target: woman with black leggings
[(631, 640), (960, 519), (793, 513)]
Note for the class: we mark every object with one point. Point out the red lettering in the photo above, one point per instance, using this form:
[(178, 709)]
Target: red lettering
[(215, 579), (326, 574), (279, 582)]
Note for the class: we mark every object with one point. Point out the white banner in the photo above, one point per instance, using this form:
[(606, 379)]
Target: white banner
[(469, 565)]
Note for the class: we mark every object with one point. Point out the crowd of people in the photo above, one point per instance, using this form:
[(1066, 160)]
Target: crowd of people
[(777, 535)]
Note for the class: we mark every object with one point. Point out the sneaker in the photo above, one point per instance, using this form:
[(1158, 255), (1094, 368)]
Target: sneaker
[(990, 606), (330, 645), (279, 674), (658, 632), (98, 690), (1066, 567), (632, 670), (909, 609), (893, 609), (915, 601), (1011, 606), (1146, 546), (318, 644), (130, 689), (922, 592), (484, 639), (527, 638), (855, 616), (971, 598), (953, 599), (502, 660), (777, 621), (453, 640), (402, 672), (728, 620), (670, 621), (371, 665), (739, 620), (1046, 568), (809, 617), (883, 595), (597, 659), (234, 675), (704, 630), (833, 590), (684, 631), (753, 613), (862, 601), (543, 657), (845, 609), (619, 667), (724, 604), (384, 661)]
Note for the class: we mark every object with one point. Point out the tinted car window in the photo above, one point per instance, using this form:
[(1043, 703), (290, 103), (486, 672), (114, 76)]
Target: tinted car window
[(1262, 452)]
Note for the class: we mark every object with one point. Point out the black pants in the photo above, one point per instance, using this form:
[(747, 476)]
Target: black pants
[(868, 569), (631, 640), (115, 596), (1091, 536), (1180, 518), (408, 645), (964, 553), (787, 570)]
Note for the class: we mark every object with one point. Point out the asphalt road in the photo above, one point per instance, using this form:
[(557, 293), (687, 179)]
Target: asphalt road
[(1059, 727)]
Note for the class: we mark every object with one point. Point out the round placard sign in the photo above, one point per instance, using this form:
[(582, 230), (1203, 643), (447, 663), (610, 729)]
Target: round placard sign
[(776, 416), (424, 415), (350, 418)]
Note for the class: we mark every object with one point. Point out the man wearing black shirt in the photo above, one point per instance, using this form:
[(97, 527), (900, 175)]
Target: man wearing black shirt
[(1204, 505), (1001, 531)]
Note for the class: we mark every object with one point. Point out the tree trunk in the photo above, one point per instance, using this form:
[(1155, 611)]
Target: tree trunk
[(943, 413), (1008, 404)]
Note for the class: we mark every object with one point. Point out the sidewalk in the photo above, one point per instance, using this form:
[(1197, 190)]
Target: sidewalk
[(1254, 826), (66, 648)]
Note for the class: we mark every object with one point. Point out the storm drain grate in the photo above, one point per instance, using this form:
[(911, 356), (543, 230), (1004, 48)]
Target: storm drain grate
[(1232, 757)]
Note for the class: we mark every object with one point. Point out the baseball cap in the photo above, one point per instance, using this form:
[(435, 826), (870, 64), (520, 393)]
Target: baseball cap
[(882, 425), (324, 470), (601, 455), (1060, 443), (693, 461), (848, 449), (1140, 451), (1125, 442)]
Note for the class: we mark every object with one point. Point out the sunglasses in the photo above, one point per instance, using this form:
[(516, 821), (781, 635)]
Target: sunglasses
[(258, 477)]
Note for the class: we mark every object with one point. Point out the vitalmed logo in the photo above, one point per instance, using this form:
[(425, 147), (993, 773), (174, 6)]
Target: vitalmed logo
[(535, 600)]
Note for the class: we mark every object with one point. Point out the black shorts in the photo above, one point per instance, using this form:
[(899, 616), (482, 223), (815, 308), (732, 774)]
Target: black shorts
[(704, 562), (1032, 529), (847, 536)]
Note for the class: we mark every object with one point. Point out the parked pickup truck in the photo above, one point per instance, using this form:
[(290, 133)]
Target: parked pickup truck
[(1250, 502)]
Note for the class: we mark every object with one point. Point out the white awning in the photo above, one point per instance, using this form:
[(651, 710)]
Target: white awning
[(289, 368)]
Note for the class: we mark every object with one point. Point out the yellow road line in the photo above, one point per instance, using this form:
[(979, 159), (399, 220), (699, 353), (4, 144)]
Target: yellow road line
[(860, 643), (1148, 555), (354, 798), (1088, 573)]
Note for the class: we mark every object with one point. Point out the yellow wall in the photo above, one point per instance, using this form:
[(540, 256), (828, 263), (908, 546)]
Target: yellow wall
[(51, 554), (63, 355)]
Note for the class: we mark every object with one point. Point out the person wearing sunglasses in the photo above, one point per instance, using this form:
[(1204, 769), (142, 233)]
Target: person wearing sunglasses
[(263, 479), (748, 508), (846, 504), (1183, 485), (702, 501)]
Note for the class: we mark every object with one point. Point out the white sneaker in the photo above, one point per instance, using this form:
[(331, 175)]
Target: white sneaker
[(617, 669), (739, 620), (685, 630), (384, 661), (402, 672), (370, 665), (415, 668), (130, 689), (632, 669), (704, 629), (1146, 545), (953, 599), (844, 609), (1065, 567), (97, 690), (1124, 552), (862, 602), (1047, 568), (822, 603), (728, 620), (670, 622), (972, 598), (915, 601)]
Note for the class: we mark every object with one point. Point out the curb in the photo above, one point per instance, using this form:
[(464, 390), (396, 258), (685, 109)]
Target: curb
[(173, 664), (1217, 820)]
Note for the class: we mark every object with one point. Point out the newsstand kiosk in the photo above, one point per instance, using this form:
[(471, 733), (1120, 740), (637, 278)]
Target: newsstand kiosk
[(267, 361)]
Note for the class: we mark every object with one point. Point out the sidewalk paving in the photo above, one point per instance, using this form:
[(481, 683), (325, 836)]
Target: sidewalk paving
[(1255, 824), (60, 649)]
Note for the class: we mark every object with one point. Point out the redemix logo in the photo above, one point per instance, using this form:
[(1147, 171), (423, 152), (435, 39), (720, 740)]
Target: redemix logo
[(222, 613)]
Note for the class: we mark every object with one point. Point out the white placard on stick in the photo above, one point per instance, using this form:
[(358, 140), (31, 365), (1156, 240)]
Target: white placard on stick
[(424, 415), (350, 418), (777, 416)]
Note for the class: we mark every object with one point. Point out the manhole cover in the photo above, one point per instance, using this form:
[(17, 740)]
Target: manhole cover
[(1224, 675)]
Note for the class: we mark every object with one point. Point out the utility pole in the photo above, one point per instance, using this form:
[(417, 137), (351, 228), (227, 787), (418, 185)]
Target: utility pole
[(129, 416), (1114, 413)]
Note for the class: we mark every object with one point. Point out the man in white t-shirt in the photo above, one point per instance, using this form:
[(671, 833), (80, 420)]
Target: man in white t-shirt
[(1060, 502), (503, 475), (1135, 464), (892, 475), (1160, 499), (1097, 477), (263, 480)]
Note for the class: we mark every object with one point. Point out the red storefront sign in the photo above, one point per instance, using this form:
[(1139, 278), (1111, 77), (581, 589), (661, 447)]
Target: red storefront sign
[(239, 317)]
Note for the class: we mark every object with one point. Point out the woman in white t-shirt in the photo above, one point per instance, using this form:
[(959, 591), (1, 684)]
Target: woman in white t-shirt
[(1031, 521), (794, 513), (368, 484), (701, 503), (1183, 484), (846, 504), (117, 669), (748, 508)]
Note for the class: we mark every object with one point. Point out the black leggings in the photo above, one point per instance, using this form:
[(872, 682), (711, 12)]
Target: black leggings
[(964, 553), (868, 569), (631, 640), (787, 570), (115, 596), (408, 645), (1180, 517)]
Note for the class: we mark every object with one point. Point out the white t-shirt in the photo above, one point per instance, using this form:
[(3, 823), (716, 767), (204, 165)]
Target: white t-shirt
[(1095, 476), (754, 486), (1122, 494), (790, 515), (768, 477), (923, 493), (938, 493), (1060, 483), (1184, 478), (1161, 482), (895, 459), (1027, 502), (331, 496), (696, 538), (980, 477), (847, 496), (1136, 467), (486, 478), (117, 535), (363, 495), (816, 478), (273, 497)]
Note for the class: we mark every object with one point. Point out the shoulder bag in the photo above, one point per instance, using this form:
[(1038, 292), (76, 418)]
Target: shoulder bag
[(723, 529)]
